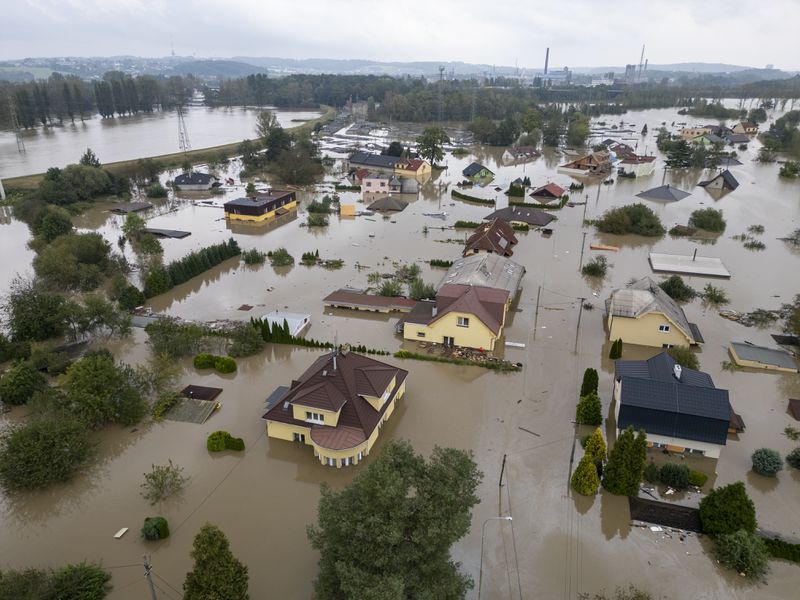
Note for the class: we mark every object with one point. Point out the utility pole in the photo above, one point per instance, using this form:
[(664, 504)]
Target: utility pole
[(536, 318), (583, 245), (147, 568), (578, 327)]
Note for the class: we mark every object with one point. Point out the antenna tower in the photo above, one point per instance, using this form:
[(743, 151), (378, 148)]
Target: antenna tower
[(183, 133), (441, 93), (12, 110), (641, 64)]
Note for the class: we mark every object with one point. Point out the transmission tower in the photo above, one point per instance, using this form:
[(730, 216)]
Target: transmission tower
[(441, 94), (12, 110), (183, 133)]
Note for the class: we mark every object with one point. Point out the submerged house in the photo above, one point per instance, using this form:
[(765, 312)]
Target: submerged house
[(412, 167), (690, 133), (477, 171), (644, 314), (746, 127), (471, 304), (494, 237), (337, 406), (638, 166), (595, 163), (262, 207), (761, 357), (723, 181), (380, 183), (520, 153), (680, 409), (548, 192), (521, 215), (195, 182), (375, 162)]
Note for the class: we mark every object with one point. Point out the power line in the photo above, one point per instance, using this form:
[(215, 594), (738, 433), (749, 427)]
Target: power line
[(168, 584)]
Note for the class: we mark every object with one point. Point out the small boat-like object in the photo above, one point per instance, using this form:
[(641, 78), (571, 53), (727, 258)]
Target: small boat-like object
[(436, 215)]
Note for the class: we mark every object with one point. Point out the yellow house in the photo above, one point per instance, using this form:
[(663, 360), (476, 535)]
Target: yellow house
[(644, 314), (462, 315), (337, 406), (412, 167), (260, 208)]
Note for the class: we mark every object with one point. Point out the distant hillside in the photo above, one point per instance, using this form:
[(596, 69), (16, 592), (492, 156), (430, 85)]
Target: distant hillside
[(217, 68)]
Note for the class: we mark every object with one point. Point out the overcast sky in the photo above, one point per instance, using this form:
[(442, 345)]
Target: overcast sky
[(578, 32)]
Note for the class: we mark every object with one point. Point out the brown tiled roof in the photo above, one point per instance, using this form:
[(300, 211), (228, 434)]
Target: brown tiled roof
[(551, 189), (350, 297), (487, 304), (495, 236), (636, 159), (410, 164), (337, 438), (342, 388)]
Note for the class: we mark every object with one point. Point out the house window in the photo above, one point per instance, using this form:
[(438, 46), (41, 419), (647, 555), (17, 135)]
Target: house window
[(299, 437), (346, 462), (463, 321), (663, 328), (331, 462), (449, 341), (360, 455), (666, 346), (315, 417), (369, 184), (420, 334)]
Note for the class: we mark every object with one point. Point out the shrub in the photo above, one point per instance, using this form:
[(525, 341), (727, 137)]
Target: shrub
[(236, 444), (595, 445), (162, 481), (676, 289), (784, 550), (20, 383), (42, 452), (245, 341), (596, 268), (309, 259), (216, 441), (616, 350), (585, 480), (633, 218), (81, 582), (224, 364), (728, 509), (707, 218), (317, 220), (697, 478), (714, 295), (626, 461), (130, 297), (419, 290), (164, 404), (155, 190), (466, 225), (390, 287), (742, 551), (590, 381), (793, 458), (674, 475), (280, 258), (438, 262), (589, 410), (767, 462), (254, 257), (684, 356), (651, 472), (155, 528), (204, 361)]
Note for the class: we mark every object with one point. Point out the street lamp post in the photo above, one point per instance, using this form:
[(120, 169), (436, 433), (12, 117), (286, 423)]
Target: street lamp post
[(483, 538)]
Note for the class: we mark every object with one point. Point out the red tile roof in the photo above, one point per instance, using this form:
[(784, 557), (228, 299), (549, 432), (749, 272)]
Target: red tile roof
[(487, 304), (551, 190), (410, 164), (495, 236)]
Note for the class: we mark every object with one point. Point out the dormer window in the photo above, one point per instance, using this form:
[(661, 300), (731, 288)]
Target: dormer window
[(314, 417)]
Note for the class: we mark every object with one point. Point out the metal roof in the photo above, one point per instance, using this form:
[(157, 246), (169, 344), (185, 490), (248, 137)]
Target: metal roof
[(674, 410), (474, 169), (193, 178), (663, 193), (728, 180), (374, 160), (661, 367), (485, 270), (764, 355)]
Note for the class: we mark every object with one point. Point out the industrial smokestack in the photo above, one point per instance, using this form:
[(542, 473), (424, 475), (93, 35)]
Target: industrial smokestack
[(546, 60)]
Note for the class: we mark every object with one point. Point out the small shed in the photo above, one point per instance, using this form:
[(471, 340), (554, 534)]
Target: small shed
[(297, 321), (723, 181), (477, 171)]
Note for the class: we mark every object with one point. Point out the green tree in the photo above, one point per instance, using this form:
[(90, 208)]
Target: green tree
[(55, 222), (596, 445), (677, 289), (623, 472), (74, 262), (684, 356), (616, 350), (585, 480), (81, 582), (20, 383), (589, 410), (632, 218), (89, 159), (742, 551), (674, 475), (388, 533), (709, 219), (390, 287), (767, 462), (590, 381), (578, 129), (216, 573), (42, 452), (394, 149), (727, 510), (419, 290), (250, 189), (430, 145), (133, 226), (33, 314)]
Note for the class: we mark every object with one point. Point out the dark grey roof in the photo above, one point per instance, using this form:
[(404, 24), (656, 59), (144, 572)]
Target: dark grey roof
[(129, 207), (373, 160), (193, 178), (737, 138), (388, 203), (474, 169), (260, 200), (663, 193), (728, 180), (698, 337), (661, 368), (674, 410), (724, 161), (764, 355), (276, 396), (523, 214), (714, 139)]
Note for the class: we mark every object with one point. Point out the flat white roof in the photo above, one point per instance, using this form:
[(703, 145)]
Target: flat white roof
[(688, 264)]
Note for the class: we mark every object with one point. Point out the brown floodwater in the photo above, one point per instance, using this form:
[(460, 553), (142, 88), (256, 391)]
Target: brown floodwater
[(558, 545)]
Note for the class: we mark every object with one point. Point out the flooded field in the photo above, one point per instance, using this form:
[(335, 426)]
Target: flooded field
[(558, 544), (130, 137)]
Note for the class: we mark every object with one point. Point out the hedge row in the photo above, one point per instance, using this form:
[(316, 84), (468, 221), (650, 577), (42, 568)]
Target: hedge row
[(280, 334), (161, 279), (552, 206), (459, 196), (501, 366), (784, 550)]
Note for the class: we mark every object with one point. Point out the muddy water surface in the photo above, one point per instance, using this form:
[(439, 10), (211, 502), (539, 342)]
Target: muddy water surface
[(563, 545)]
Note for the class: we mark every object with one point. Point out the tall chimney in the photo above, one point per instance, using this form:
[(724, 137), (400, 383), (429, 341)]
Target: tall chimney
[(546, 60)]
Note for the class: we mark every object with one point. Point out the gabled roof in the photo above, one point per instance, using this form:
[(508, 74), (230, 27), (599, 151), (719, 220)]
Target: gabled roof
[(663, 193), (728, 180), (339, 389), (748, 124), (635, 159), (714, 138), (485, 270), (474, 169), (522, 214), (737, 138), (523, 152), (373, 160), (675, 410), (487, 304), (388, 203), (495, 236), (724, 161), (194, 178), (550, 190), (411, 164), (260, 201), (661, 367), (645, 296)]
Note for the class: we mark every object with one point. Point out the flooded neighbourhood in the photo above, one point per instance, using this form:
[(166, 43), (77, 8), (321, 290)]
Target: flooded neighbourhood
[(519, 425)]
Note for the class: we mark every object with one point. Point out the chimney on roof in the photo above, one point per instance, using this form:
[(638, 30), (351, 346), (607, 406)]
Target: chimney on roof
[(434, 310), (676, 370)]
